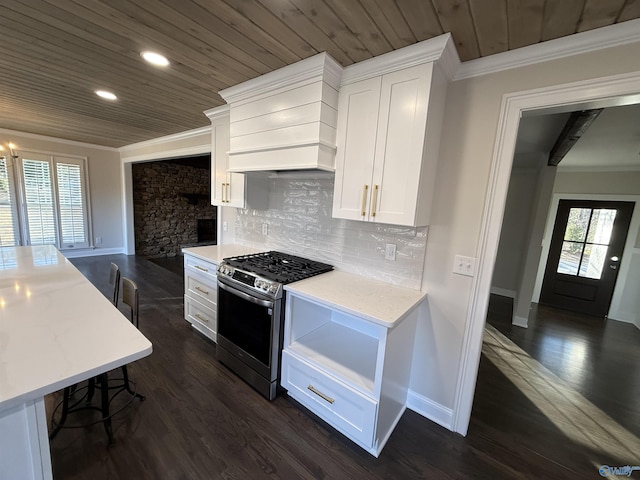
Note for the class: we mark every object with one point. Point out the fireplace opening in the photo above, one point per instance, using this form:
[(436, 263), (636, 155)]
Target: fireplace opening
[(207, 230)]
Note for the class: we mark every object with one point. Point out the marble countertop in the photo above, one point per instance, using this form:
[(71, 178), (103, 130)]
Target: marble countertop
[(56, 328), (378, 302), (215, 253)]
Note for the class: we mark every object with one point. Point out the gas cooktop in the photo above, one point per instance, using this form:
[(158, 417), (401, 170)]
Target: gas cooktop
[(278, 267)]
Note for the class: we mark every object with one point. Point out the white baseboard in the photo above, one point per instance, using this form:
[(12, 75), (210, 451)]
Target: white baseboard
[(503, 292), (92, 252), (520, 321), (435, 412)]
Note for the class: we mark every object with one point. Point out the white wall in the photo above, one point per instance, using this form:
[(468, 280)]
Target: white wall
[(513, 237), (104, 182), (466, 153)]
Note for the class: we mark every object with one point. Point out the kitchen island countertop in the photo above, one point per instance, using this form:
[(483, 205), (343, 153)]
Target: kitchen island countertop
[(56, 329)]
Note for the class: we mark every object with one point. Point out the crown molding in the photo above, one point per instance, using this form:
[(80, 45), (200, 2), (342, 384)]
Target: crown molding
[(440, 48), (584, 42), (35, 136), (318, 67), (168, 138), (218, 113), (168, 154)]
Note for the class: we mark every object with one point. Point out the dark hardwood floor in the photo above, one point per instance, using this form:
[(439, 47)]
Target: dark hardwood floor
[(200, 421)]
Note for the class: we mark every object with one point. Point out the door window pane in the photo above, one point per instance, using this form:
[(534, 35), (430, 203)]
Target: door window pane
[(570, 258), (593, 261), (577, 224), (601, 226)]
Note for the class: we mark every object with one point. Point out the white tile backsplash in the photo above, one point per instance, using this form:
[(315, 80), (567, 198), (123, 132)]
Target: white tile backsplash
[(299, 222)]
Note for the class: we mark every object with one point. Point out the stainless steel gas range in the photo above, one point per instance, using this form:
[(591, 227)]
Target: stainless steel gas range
[(251, 313)]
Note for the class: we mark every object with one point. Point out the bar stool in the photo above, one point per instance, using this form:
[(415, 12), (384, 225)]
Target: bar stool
[(114, 281), (102, 381)]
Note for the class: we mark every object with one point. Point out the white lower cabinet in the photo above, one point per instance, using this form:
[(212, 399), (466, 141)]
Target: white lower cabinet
[(201, 295), (349, 371)]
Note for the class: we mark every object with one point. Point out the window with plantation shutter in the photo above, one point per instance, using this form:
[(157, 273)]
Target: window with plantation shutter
[(38, 199), (54, 201), (71, 201), (9, 234)]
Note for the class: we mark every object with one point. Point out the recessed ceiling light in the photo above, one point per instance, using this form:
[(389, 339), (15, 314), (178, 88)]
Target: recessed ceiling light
[(106, 94), (155, 59)]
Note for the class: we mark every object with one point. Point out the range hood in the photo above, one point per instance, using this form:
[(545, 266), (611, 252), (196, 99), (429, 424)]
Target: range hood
[(286, 119)]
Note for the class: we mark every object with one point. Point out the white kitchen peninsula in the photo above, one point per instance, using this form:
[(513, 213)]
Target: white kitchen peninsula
[(56, 329), (348, 345)]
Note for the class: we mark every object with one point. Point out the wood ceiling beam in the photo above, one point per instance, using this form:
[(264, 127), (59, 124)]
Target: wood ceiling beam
[(576, 126)]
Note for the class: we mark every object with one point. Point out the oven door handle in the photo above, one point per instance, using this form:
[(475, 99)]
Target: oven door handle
[(244, 296)]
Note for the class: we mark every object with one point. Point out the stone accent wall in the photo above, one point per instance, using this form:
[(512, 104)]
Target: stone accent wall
[(164, 219)]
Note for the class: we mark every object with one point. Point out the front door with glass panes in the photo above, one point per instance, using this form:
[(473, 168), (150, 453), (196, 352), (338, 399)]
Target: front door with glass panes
[(584, 255)]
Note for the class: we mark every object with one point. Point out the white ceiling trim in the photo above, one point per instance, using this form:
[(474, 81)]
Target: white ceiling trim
[(45, 138), (598, 39), (166, 139)]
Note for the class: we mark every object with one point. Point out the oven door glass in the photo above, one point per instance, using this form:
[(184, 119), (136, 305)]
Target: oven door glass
[(246, 324)]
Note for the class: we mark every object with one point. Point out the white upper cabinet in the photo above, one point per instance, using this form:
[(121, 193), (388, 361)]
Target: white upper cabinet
[(390, 113), (230, 189)]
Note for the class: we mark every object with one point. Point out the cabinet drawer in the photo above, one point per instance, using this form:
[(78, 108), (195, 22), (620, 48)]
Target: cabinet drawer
[(201, 317), (202, 267), (201, 288), (349, 411)]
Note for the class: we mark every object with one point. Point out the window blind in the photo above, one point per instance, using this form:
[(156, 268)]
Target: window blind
[(71, 204), (8, 220), (38, 193)]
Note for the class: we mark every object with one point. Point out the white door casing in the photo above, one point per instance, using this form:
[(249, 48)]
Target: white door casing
[(601, 92)]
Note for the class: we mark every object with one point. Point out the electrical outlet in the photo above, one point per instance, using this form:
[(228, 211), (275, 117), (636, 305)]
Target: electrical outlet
[(464, 266), (265, 229), (390, 251), (224, 226), (98, 240)]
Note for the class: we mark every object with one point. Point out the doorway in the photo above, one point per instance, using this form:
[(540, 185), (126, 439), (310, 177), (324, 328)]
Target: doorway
[(584, 256)]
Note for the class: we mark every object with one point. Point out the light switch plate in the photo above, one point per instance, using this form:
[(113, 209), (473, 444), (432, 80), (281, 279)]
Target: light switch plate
[(464, 266), (265, 229)]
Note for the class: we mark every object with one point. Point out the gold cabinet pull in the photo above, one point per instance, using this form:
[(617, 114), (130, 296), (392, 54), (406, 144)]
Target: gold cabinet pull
[(200, 317), (374, 198), (224, 193), (201, 268), (326, 398), (364, 199), (202, 290), (228, 192)]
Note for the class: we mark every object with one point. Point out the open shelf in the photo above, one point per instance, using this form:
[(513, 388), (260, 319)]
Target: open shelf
[(342, 351)]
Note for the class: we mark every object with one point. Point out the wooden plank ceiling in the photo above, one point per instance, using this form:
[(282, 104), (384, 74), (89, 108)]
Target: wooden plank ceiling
[(55, 53)]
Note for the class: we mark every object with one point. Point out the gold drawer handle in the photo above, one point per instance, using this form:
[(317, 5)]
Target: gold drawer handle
[(201, 268), (364, 199), (200, 317), (320, 394), (206, 292)]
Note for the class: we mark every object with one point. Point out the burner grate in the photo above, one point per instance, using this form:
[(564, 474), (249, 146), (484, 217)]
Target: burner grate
[(279, 267)]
